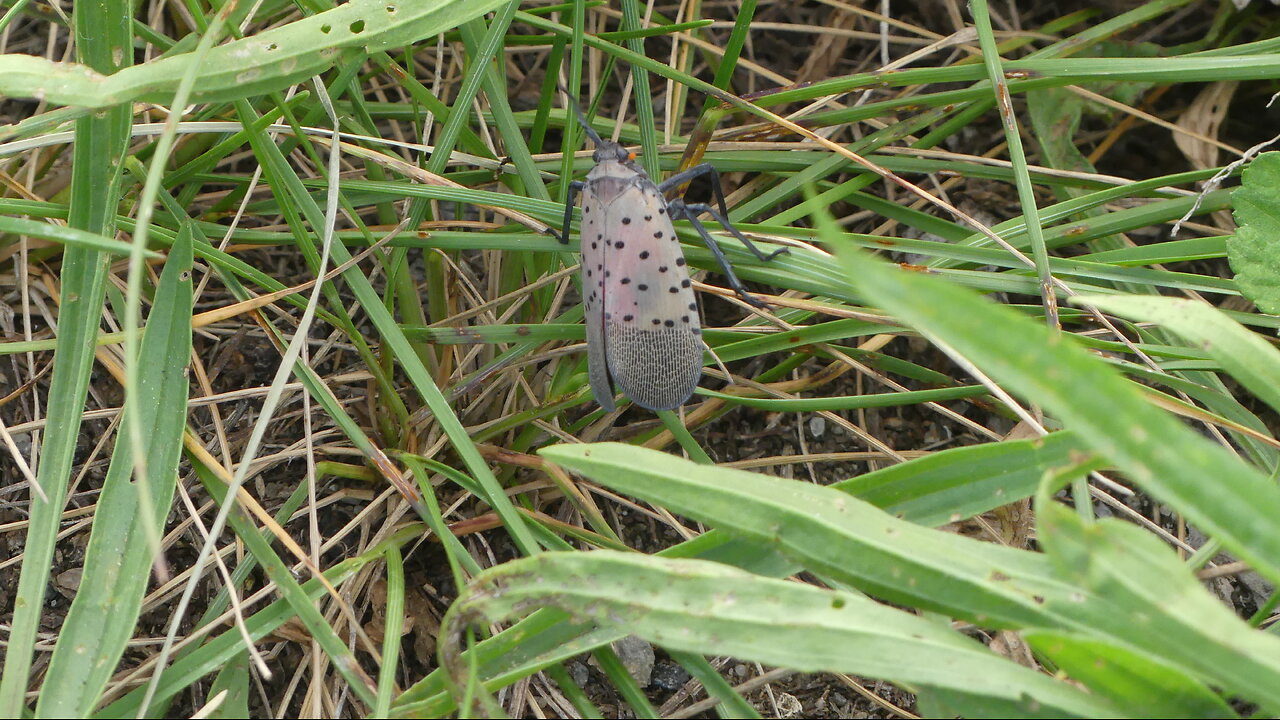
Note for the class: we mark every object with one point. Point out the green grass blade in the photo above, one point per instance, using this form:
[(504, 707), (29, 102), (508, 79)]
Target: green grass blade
[(119, 556), (642, 94), (400, 347), (394, 614), (103, 42), (1026, 193), (1246, 356), (233, 679), (69, 236)]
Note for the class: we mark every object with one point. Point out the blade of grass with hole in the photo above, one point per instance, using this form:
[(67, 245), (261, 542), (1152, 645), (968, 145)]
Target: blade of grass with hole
[(270, 60)]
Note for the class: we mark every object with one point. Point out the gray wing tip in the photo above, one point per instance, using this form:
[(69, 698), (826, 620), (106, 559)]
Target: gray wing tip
[(605, 402), (658, 369), (660, 406)]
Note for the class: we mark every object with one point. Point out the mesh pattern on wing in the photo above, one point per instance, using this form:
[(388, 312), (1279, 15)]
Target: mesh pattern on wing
[(657, 368)]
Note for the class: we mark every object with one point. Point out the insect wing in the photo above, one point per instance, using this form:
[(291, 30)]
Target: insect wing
[(593, 294), (651, 331)]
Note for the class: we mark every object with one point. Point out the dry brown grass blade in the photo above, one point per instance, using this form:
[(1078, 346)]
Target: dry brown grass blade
[(210, 317), (246, 500)]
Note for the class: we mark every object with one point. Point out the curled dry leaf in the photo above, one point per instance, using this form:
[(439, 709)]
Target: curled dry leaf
[(1202, 119)]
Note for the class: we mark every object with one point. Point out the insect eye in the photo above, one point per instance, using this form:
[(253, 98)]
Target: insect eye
[(632, 156)]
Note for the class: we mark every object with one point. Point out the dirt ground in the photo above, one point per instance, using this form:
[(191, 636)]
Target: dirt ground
[(245, 359)]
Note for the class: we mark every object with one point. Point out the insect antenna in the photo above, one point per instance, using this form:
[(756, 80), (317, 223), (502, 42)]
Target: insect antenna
[(582, 118)]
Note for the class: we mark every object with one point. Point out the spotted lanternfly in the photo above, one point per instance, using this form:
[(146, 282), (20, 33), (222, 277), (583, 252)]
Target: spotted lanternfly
[(642, 320)]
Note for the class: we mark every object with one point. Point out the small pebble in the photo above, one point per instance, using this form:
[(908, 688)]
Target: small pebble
[(637, 657), (669, 676)]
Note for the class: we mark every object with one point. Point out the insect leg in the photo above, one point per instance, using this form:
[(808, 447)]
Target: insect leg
[(691, 211), (717, 192), (575, 187), (692, 173)]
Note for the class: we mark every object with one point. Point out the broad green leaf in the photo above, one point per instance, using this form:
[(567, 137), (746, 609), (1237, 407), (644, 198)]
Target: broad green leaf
[(697, 606), (1139, 684), (1131, 567), (1108, 413), (846, 540), (959, 483), (827, 531), (1254, 251), (940, 488), (999, 473)]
